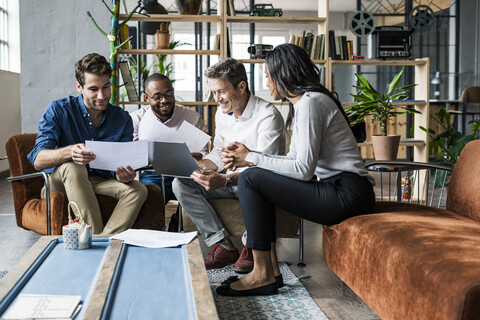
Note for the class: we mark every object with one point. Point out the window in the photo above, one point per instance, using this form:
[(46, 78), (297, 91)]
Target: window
[(3, 35)]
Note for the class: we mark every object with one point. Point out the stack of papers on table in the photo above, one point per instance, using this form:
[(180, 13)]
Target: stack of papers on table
[(43, 306), (153, 238)]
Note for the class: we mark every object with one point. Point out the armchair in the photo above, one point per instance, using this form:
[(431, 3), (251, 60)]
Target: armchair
[(48, 215)]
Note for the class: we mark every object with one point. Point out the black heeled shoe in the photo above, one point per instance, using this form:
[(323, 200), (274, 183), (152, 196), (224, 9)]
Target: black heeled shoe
[(266, 290), (232, 279)]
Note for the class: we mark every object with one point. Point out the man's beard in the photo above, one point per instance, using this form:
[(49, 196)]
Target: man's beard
[(158, 111)]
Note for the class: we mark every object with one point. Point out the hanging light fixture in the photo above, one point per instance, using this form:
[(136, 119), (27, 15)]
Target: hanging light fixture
[(436, 79)]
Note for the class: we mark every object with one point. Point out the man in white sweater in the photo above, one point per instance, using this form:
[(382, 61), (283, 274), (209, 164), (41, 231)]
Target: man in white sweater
[(241, 117)]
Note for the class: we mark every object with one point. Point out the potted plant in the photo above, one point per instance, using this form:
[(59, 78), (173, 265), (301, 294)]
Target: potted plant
[(379, 106), (447, 145), (162, 35)]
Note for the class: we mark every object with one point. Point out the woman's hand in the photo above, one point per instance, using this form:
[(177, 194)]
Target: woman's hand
[(234, 155)]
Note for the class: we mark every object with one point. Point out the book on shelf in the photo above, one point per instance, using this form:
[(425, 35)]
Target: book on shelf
[(231, 7), (293, 39), (229, 53), (313, 45), (322, 47), (331, 44), (217, 42), (124, 34), (308, 42), (302, 39), (343, 40), (338, 49), (313, 51), (350, 49)]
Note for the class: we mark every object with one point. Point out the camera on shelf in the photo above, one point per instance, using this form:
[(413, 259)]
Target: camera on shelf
[(259, 51)]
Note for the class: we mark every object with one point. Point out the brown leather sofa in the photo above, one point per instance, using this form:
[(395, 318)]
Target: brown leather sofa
[(31, 211), (409, 261)]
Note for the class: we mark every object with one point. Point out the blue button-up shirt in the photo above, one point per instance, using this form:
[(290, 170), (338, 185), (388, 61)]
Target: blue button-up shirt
[(66, 121)]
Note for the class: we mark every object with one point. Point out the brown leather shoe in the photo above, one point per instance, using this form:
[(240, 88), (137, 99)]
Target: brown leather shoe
[(220, 257), (244, 264)]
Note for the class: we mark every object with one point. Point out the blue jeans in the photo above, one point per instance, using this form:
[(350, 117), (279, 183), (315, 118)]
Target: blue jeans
[(151, 178)]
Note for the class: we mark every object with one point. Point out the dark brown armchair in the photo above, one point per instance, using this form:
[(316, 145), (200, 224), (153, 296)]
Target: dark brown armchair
[(48, 215)]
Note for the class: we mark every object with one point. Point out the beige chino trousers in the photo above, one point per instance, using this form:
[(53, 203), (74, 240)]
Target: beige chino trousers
[(73, 179)]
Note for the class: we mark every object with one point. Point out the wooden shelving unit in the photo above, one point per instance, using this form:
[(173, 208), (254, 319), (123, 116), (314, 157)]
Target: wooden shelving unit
[(421, 66)]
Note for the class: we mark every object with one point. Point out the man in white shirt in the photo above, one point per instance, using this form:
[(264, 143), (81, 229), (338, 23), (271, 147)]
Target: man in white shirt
[(240, 117), (161, 111)]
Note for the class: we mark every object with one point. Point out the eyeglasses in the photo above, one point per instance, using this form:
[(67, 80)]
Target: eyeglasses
[(159, 96)]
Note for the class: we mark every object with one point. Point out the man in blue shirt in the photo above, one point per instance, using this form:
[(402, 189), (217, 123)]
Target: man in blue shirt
[(60, 150)]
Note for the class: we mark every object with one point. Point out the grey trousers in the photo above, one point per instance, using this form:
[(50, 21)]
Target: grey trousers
[(193, 198)]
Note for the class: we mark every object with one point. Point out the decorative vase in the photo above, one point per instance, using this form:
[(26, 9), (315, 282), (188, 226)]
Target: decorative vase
[(163, 40), (189, 6), (385, 147)]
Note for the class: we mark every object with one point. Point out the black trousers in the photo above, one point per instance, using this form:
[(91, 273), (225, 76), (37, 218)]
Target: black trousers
[(329, 201)]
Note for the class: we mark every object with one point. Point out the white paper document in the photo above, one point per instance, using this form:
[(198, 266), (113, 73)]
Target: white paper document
[(151, 128), (195, 138), (41, 306), (154, 239), (112, 155)]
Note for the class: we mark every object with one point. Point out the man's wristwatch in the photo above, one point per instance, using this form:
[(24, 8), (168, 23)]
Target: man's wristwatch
[(228, 183)]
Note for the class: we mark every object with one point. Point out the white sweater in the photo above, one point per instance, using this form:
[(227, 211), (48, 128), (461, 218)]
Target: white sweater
[(322, 143)]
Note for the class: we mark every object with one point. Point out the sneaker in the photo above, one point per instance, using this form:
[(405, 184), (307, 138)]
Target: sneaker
[(244, 264), (220, 257)]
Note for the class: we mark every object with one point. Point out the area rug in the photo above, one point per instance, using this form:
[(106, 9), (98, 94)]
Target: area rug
[(291, 302)]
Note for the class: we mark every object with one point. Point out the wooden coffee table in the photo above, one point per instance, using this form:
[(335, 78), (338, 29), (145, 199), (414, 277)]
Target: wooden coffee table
[(116, 281)]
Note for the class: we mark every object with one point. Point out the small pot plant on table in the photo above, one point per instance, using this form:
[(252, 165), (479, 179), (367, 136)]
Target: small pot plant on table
[(380, 107)]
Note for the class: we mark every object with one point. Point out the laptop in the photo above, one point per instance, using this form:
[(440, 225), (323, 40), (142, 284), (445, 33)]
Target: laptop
[(171, 159)]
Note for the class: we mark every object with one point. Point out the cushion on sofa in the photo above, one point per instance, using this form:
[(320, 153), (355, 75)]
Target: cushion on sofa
[(409, 261), (464, 189)]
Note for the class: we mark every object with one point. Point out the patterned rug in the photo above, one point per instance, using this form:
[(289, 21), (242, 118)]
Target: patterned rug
[(291, 302)]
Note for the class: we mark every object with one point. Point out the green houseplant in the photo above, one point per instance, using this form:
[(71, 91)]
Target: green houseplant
[(447, 145), (380, 107)]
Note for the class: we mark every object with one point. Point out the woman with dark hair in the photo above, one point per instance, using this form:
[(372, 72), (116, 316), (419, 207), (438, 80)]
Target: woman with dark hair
[(322, 178)]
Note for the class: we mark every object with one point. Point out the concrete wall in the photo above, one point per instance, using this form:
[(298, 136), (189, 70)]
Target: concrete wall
[(10, 108), (54, 35)]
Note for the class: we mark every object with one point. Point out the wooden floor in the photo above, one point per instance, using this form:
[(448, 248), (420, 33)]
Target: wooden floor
[(335, 299)]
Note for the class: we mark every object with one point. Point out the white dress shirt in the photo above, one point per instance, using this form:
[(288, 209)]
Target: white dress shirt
[(260, 128)]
